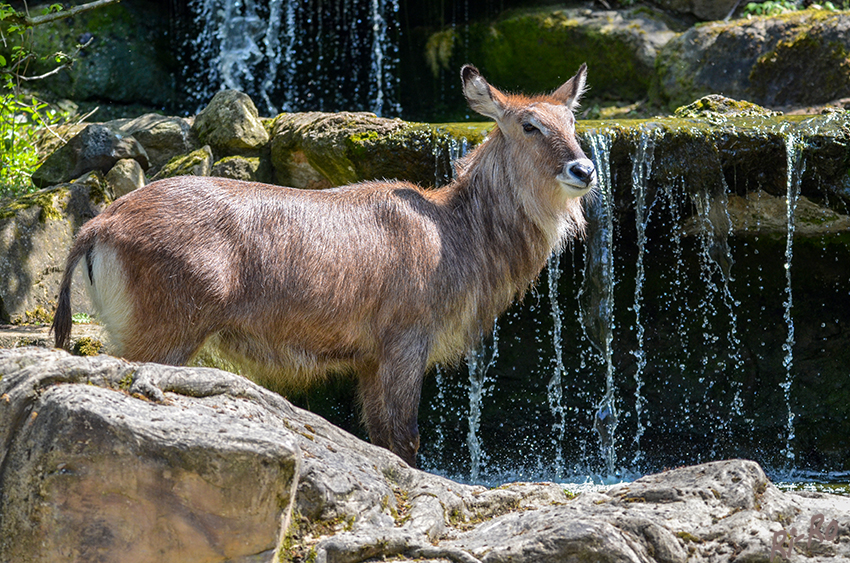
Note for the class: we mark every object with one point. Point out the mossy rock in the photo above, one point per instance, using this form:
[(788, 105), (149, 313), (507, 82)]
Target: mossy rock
[(538, 50), (809, 68), (36, 232), (317, 150), (250, 169), (128, 61), (196, 163), (87, 346), (795, 59), (231, 125), (714, 105)]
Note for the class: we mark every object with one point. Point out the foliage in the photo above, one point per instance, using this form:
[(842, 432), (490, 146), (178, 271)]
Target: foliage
[(23, 119), (771, 7), (81, 318), (776, 7), (23, 122)]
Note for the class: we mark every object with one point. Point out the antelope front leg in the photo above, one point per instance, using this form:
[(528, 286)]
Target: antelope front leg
[(391, 401)]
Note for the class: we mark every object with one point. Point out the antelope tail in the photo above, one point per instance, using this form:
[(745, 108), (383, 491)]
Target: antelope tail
[(61, 326)]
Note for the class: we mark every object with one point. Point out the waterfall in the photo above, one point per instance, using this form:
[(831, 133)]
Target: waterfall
[(641, 171), (258, 47), (634, 351), (555, 385), (479, 362), (795, 169), (597, 296)]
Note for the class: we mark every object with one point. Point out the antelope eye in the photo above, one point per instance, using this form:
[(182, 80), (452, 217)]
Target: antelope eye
[(528, 128)]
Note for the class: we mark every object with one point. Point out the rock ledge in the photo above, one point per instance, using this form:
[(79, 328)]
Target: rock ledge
[(107, 460)]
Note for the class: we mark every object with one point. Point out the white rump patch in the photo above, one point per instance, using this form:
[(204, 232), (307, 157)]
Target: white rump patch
[(109, 295)]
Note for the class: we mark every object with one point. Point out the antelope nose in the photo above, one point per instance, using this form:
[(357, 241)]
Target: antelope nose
[(583, 171)]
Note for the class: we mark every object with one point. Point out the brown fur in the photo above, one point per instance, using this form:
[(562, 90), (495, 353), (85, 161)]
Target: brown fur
[(381, 278)]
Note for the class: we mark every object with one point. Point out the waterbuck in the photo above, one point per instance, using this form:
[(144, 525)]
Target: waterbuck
[(379, 279)]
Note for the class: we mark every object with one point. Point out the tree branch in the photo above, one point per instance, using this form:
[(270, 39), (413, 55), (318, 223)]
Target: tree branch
[(33, 21)]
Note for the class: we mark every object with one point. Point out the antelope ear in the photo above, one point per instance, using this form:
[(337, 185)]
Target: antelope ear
[(482, 97), (572, 90)]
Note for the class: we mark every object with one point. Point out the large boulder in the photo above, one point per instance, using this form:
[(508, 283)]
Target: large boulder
[(536, 51), (36, 232), (230, 125), (319, 150), (795, 59), (108, 460), (97, 147)]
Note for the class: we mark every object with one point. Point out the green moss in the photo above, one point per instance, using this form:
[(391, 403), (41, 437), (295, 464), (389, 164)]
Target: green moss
[(87, 346), (298, 543), (43, 199), (517, 53), (791, 69), (38, 315), (126, 382), (192, 164), (439, 49), (688, 537), (711, 106)]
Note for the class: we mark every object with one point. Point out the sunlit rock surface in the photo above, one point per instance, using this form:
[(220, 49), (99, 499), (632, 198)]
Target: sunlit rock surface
[(111, 461)]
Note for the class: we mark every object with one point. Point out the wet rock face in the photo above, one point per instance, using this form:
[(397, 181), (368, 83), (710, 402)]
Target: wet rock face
[(103, 459)]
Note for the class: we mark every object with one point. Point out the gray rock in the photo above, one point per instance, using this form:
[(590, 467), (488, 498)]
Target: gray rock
[(36, 232), (230, 125), (774, 61), (251, 169), (125, 177), (705, 10), (129, 59), (97, 147), (162, 136), (143, 462), (196, 163)]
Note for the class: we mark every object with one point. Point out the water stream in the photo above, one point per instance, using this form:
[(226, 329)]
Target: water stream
[(666, 337), (597, 296), (296, 56)]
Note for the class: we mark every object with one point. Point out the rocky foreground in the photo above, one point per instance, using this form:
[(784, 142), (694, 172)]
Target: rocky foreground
[(105, 460)]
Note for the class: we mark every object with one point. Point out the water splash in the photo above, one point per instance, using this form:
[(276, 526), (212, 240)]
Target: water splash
[(555, 386), (479, 362), (641, 171), (597, 295), (795, 169), (383, 49), (258, 47)]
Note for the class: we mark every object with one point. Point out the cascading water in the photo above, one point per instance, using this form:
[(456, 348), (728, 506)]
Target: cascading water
[(597, 296), (641, 171), (555, 385), (258, 47), (479, 362), (795, 169)]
